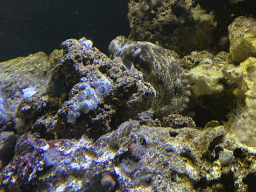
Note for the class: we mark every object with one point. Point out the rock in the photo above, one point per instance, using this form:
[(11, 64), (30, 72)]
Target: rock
[(242, 33), (20, 78), (242, 124), (179, 25), (244, 76), (7, 144), (55, 57), (133, 157), (205, 79), (225, 157), (87, 93)]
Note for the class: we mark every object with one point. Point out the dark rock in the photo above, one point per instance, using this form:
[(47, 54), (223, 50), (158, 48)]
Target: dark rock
[(87, 93)]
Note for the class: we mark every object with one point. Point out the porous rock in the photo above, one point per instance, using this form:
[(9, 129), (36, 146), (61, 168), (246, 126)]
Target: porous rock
[(242, 125), (179, 25), (205, 79), (20, 78), (244, 76), (87, 93), (7, 144), (134, 157), (214, 82), (173, 120), (242, 33)]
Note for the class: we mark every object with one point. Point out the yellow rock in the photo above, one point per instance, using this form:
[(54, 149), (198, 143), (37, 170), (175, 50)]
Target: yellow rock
[(242, 37), (249, 77), (245, 77), (204, 79)]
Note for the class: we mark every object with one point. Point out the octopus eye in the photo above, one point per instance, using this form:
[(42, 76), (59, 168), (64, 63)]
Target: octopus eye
[(136, 52)]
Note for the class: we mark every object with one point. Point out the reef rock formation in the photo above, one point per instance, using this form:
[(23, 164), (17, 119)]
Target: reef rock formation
[(159, 68), (133, 158), (21, 78), (87, 93), (87, 126), (242, 33), (179, 25)]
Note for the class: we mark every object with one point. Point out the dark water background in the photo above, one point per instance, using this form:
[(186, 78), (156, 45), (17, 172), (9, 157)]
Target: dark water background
[(30, 26)]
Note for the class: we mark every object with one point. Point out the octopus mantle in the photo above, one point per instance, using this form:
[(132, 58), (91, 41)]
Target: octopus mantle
[(159, 68)]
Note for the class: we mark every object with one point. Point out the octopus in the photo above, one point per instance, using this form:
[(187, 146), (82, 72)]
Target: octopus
[(159, 68)]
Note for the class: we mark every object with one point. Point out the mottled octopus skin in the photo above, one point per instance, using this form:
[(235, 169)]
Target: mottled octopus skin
[(159, 68)]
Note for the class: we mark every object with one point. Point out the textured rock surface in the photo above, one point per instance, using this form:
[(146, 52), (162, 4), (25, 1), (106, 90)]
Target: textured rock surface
[(134, 158), (242, 33), (21, 78), (213, 86), (179, 25), (87, 93), (244, 76), (159, 68), (205, 79), (87, 125), (242, 125), (7, 144), (186, 25)]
